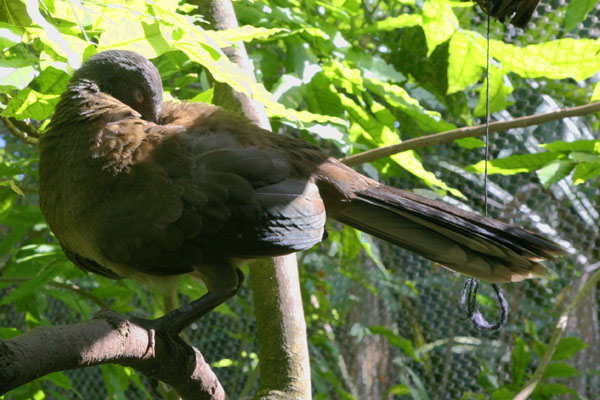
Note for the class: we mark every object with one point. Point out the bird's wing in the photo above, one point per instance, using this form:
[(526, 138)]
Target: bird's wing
[(181, 199)]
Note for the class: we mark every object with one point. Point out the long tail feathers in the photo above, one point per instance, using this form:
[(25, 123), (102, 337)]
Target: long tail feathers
[(459, 240)]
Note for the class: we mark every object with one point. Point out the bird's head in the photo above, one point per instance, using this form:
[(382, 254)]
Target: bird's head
[(128, 77)]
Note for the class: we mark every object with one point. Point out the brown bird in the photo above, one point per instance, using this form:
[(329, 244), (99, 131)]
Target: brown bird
[(519, 11), (134, 187)]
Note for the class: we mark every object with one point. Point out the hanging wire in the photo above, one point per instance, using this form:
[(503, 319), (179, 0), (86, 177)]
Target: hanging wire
[(469, 293)]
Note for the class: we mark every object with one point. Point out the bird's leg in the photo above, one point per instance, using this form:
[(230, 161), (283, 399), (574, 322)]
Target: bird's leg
[(223, 282)]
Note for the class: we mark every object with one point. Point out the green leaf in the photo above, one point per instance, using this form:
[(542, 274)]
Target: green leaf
[(204, 97), (585, 171), (466, 62), (427, 120), (16, 73), (554, 171), (116, 381), (10, 35), (521, 357), (41, 279), (351, 245), (503, 393), (399, 390), (14, 12), (470, 143), (557, 59), (560, 370), (373, 66), (552, 390), (567, 347), (580, 156), (59, 379), (7, 333), (248, 33), (391, 23), (590, 146), (395, 340), (50, 81), (487, 379), (577, 11), (499, 93), (515, 164), (321, 96), (31, 104), (147, 38), (67, 46), (596, 93), (439, 23), (13, 186), (410, 161)]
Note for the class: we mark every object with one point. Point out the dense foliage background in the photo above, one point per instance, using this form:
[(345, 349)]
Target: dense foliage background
[(351, 75)]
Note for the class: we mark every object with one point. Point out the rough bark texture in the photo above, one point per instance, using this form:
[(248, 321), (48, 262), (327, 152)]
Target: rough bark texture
[(369, 358), (282, 342), (108, 338), (583, 323)]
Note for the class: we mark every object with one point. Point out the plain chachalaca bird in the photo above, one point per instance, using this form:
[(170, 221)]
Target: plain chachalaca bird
[(134, 187)]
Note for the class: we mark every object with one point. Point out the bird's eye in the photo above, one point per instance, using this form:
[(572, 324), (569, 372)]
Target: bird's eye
[(138, 95)]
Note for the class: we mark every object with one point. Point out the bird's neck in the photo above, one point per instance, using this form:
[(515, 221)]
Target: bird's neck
[(82, 101)]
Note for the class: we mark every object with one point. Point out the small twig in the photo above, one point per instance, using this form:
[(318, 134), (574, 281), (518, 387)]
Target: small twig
[(24, 136), (561, 326), (27, 127), (61, 285), (469, 131)]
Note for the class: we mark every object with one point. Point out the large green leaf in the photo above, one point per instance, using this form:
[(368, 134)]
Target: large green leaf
[(31, 104), (14, 12), (586, 171), (591, 146), (10, 35), (16, 73), (466, 62), (439, 23), (577, 11), (391, 23), (427, 120), (515, 164), (567, 347), (500, 89), (521, 357), (555, 171), (248, 33), (560, 370)]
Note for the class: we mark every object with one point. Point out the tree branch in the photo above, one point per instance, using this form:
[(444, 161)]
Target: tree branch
[(108, 338), (469, 131), (24, 136)]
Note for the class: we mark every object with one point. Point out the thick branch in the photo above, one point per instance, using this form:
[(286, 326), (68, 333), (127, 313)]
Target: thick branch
[(469, 131), (108, 338), (24, 136)]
